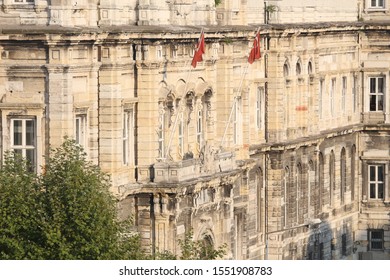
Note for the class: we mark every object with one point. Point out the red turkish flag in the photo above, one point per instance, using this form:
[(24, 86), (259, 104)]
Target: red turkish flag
[(255, 51), (200, 50)]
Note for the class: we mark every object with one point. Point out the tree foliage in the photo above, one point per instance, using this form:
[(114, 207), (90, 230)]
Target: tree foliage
[(194, 250), (67, 212)]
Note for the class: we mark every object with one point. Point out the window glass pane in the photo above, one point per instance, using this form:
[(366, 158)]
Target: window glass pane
[(381, 3), (372, 173), (380, 85), (373, 3), (372, 191), (373, 103), (17, 132), (380, 173), (77, 130), (380, 102), (375, 235), (380, 190), (376, 245), (30, 156), (372, 85), (30, 135)]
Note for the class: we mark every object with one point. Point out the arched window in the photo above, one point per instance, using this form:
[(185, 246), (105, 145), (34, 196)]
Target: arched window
[(286, 200), (298, 68), (343, 175), (313, 191), (320, 182), (286, 70), (332, 183), (299, 211), (309, 68), (353, 167)]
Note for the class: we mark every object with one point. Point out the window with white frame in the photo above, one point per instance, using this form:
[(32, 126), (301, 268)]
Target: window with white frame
[(128, 137), (23, 139), (376, 94), (377, 4), (159, 52), (376, 239), (376, 181), (81, 129), (259, 108)]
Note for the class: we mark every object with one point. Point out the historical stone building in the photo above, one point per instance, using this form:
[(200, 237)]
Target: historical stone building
[(285, 158)]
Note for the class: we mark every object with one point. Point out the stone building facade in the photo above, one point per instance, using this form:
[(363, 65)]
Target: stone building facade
[(285, 158)]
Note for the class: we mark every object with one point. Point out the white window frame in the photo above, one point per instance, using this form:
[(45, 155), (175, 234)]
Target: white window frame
[(81, 130), (23, 147), (377, 93), (379, 4), (259, 108), (159, 52), (128, 138), (376, 182)]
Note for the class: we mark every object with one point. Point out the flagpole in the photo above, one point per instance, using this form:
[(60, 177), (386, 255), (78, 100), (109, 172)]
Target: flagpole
[(235, 98), (180, 104), (234, 103)]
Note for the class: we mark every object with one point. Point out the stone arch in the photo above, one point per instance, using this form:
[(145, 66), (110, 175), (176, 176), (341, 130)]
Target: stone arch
[(298, 67), (310, 67), (343, 174), (286, 69)]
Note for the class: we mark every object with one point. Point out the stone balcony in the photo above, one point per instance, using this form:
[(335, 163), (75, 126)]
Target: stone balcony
[(194, 168)]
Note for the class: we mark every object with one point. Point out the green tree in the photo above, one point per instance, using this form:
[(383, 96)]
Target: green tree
[(194, 250), (67, 212)]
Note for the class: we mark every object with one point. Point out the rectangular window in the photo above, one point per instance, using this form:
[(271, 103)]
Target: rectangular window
[(159, 52), (320, 94), (354, 93), (376, 181), (236, 5), (376, 94), (81, 130), (344, 244), (199, 129), (128, 138), (181, 135), (23, 139), (331, 97), (259, 108), (343, 94), (23, 1), (375, 239), (377, 4)]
